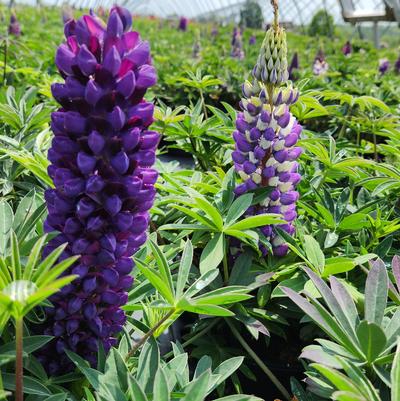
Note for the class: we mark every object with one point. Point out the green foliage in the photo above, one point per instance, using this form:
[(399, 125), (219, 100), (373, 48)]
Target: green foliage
[(251, 15), (322, 24)]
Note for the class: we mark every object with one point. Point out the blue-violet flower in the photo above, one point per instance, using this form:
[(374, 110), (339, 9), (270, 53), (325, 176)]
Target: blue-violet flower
[(101, 165)]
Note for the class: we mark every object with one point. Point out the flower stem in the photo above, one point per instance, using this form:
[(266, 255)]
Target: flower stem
[(258, 361), (148, 334), (19, 367)]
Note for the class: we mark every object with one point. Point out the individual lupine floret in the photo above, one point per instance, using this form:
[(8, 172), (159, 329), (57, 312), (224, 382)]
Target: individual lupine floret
[(101, 158), (265, 140), (14, 28), (320, 65)]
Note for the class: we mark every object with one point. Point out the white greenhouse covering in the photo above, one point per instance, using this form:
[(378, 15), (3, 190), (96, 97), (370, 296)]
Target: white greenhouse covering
[(298, 12)]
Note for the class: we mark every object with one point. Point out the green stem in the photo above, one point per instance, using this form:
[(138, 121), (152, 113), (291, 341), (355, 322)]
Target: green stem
[(258, 361), (5, 62), (148, 334), (344, 126), (203, 103), (195, 337), (19, 367), (225, 264)]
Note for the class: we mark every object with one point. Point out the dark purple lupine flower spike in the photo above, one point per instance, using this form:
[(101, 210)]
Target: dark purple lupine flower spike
[(265, 140), (397, 66), (101, 164), (384, 65), (183, 24), (294, 66), (347, 49), (252, 40), (14, 27)]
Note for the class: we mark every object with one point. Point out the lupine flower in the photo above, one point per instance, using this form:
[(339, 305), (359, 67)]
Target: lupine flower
[(214, 32), (384, 65), (320, 65), (196, 47), (265, 140), (183, 24), (101, 158), (252, 40), (347, 49), (237, 45), (397, 66), (14, 28), (294, 65)]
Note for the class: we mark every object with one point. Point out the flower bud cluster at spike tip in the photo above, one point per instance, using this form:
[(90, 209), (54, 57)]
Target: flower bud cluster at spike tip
[(101, 165), (272, 65), (265, 144)]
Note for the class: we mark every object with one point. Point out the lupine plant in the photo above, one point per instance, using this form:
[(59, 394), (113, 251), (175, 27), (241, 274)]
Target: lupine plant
[(14, 27), (101, 158), (320, 65), (265, 153)]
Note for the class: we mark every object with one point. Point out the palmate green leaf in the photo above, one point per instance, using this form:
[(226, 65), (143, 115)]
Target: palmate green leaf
[(184, 269), (56, 271), (33, 258), (203, 309), (135, 391), (162, 264), (43, 293), (157, 281), (376, 293), (48, 262), (160, 389), (191, 213), (202, 282), (212, 254), (31, 344), (238, 207), (257, 221), (31, 385), (6, 222), (372, 340), (314, 253), (148, 364), (15, 258), (223, 296), (336, 265), (197, 389), (338, 379), (92, 375), (211, 211), (395, 375)]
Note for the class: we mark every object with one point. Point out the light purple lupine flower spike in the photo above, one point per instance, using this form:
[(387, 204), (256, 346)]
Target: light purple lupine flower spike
[(237, 45), (320, 65), (101, 160), (265, 153)]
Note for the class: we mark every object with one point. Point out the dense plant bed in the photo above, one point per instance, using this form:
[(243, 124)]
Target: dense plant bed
[(216, 217)]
